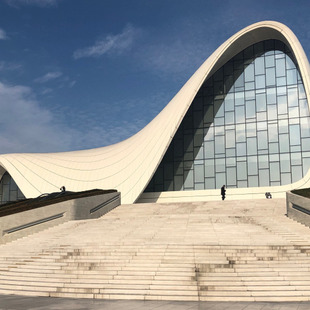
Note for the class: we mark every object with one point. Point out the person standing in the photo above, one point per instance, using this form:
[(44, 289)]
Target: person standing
[(223, 192)]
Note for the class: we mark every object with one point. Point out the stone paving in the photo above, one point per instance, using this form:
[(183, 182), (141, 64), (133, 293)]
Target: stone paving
[(14, 302)]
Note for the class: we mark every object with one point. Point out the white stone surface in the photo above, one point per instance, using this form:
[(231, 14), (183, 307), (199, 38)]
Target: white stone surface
[(207, 251)]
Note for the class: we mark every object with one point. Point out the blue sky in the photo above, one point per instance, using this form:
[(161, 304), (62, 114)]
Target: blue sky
[(79, 74)]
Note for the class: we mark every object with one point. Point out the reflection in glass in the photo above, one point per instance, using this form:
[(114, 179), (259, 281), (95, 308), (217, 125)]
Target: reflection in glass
[(280, 67), (248, 126), (9, 190), (294, 131)]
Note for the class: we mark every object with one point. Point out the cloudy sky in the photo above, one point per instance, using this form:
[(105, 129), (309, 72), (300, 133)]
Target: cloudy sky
[(79, 74)]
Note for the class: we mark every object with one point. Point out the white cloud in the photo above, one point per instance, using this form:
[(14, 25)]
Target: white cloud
[(3, 35), (28, 127), (110, 44), (40, 3), (9, 66), (48, 77), (177, 60)]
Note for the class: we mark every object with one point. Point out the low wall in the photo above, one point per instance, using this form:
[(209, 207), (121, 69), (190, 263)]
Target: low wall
[(22, 224), (298, 208)]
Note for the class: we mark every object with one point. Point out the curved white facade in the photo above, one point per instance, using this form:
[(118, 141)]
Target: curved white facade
[(128, 166)]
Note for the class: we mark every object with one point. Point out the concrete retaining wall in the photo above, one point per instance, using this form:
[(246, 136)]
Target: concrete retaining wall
[(25, 223), (298, 208)]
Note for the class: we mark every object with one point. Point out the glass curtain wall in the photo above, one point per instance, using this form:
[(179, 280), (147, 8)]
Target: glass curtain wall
[(9, 191), (248, 126)]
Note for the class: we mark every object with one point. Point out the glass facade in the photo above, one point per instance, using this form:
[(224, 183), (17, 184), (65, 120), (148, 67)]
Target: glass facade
[(248, 126), (9, 191)]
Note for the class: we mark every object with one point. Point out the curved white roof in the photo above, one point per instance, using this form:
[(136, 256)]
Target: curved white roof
[(129, 165)]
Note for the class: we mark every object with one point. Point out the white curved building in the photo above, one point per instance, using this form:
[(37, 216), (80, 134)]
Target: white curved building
[(242, 120)]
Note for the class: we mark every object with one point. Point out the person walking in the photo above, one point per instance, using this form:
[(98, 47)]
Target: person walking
[(223, 192)]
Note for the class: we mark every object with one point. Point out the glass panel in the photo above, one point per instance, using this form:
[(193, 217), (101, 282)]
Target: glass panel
[(253, 181), (306, 165), (178, 183), (229, 118), (240, 114), (199, 153), (286, 178), (282, 105), (304, 108), (252, 165), (269, 62), (9, 190), (291, 77), (250, 109), (271, 96), (249, 95), (251, 146), (273, 132), (242, 171), (241, 149), (219, 144), (209, 168), (251, 130), (230, 139), (239, 98), (294, 134), (209, 147), (220, 165), (219, 108), (284, 143), (295, 159), (199, 173), (230, 162), (209, 134), (249, 73), (270, 77), (301, 92), (280, 67), (293, 112), (261, 102), (292, 97), (229, 102), (231, 176), (305, 144), (273, 148), (281, 81), (209, 114), (285, 163), (283, 126), (259, 65), (261, 116), (239, 83), (272, 112), (248, 126), (260, 81), (296, 173), (220, 180), (262, 140), (263, 161), (242, 184), (264, 177), (189, 180), (240, 133), (274, 171)]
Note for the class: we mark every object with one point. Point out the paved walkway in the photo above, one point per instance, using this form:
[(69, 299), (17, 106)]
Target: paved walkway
[(13, 302)]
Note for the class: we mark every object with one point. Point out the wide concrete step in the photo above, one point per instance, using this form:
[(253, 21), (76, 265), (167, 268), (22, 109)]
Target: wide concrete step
[(193, 251)]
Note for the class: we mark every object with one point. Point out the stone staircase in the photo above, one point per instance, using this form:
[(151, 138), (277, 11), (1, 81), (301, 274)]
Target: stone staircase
[(208, 251)]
